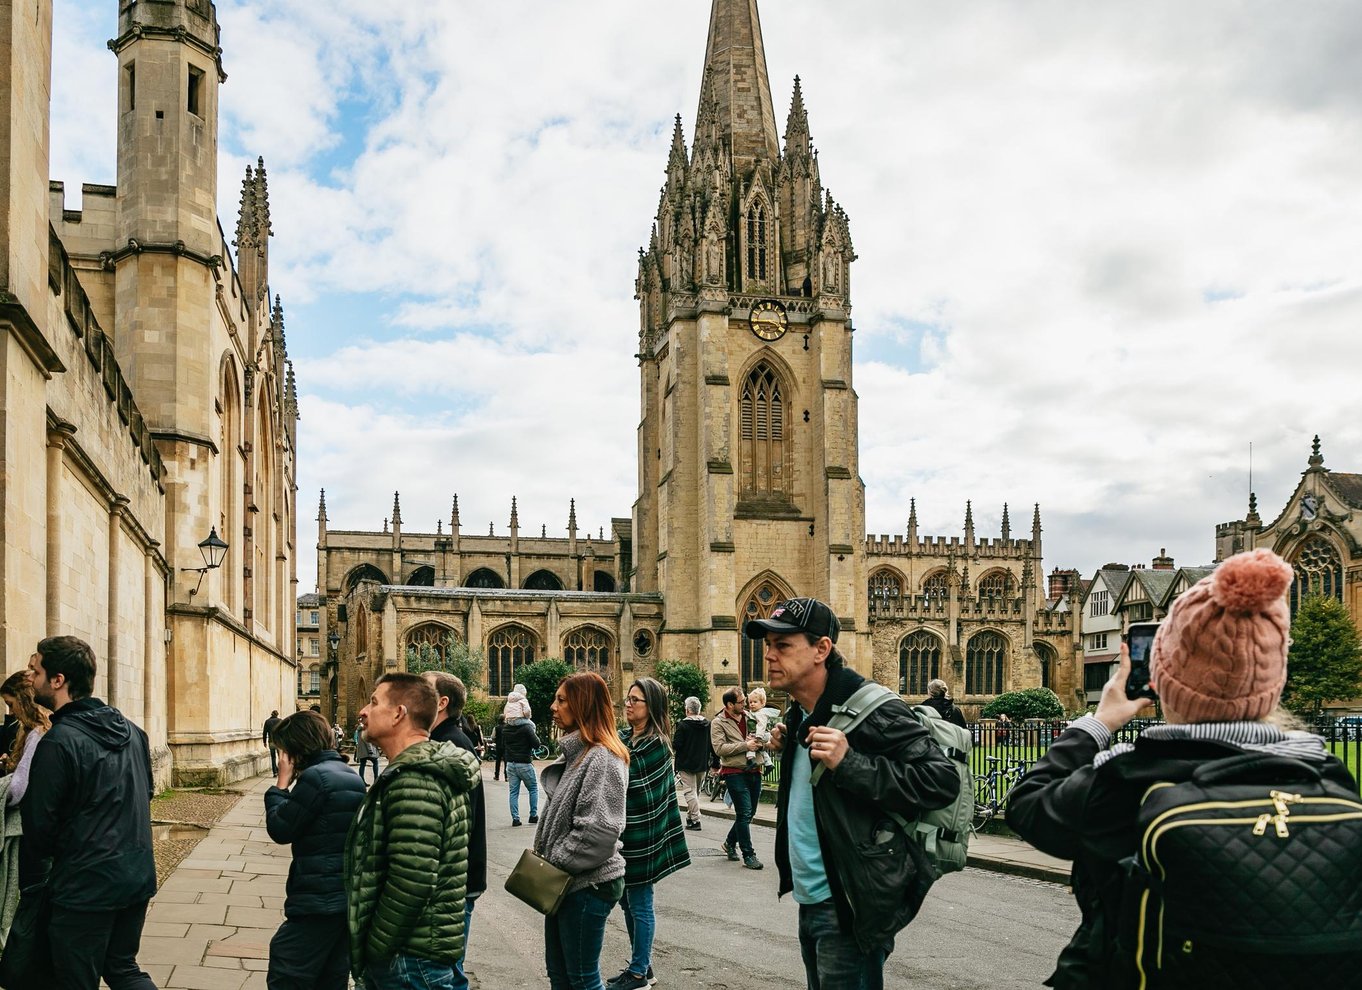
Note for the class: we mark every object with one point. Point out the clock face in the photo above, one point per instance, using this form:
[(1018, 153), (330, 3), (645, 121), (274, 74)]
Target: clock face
[(769, 321)]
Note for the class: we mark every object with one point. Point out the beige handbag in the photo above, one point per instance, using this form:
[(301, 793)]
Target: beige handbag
[(538, 882)]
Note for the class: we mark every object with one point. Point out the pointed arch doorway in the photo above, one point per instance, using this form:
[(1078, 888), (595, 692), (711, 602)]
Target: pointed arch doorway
[(759, 600)]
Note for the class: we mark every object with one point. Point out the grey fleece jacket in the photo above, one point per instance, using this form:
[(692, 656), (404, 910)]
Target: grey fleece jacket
[(579, 829)]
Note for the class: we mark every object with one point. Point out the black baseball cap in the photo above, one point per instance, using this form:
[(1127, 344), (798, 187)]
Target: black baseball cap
[(806, 615)]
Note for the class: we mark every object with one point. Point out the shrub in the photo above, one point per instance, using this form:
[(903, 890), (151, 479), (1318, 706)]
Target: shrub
[(465, 663), (1019, 705), (541, 680), (682, 680)]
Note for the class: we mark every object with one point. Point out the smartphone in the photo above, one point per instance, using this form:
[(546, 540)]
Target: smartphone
[(1139, 642)]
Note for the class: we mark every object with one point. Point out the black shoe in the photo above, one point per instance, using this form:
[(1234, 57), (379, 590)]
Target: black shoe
[(515, 823), (693, 826), (730, 851), (534, 819), (751, 862), (629, 981)]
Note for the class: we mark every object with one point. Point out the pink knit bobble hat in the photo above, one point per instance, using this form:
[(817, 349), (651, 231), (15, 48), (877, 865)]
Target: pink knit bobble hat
[(1220, 656)]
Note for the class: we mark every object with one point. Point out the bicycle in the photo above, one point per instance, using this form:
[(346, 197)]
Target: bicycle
[(540, 752), (713, 785), (1001, 776)]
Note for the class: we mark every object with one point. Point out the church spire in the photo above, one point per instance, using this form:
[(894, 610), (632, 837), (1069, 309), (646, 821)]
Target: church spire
[(735, 67), (1007, 524), (797, 139)]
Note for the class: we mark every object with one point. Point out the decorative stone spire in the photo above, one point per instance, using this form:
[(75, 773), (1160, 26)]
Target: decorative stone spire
[(262, 201), (572, 518), (1316, 458), (490, 531), (543, 531), (912, 524), (321, 507), (1253, 520), (677, 160), (454, 516), (797, 139), (969, 520), (1007, 524), (246, 231), (735, 60), (1035, 524), (397, 509), (515, 516), (439, 527)]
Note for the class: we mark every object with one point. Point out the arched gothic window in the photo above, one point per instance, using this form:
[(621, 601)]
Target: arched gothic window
[(993, 585), (359, 610), (1319, 571), (543, 581), (934, 587), (603, 581), (484, 578), (919, 662), (422, 577), (364, 572), (1046, 656), (761, 416), (587, 648), (984, 658), (508, 649), (762, 603), (756, 242), (885, 586), (431, 637)]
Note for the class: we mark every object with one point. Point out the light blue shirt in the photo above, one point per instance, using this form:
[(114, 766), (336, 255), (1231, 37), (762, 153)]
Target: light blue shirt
[(806, 855)]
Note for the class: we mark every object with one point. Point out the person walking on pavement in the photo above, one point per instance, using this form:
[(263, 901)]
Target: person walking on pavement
[(365, 753), (267, 737), (451, 696), (851, 904), (654, 842), (583, 819), (310, 807), (406, 857), (939, 697), (730, 735), (88, 808), (520, 742), (497, 754), (691, 745)]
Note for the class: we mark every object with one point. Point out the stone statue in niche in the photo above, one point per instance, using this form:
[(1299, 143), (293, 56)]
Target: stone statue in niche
[(714, 259)]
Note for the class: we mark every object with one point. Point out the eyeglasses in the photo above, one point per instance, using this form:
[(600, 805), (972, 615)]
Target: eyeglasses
[(631, 700)]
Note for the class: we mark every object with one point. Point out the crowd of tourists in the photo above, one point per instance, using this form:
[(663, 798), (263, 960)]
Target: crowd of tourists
[(386, 872)]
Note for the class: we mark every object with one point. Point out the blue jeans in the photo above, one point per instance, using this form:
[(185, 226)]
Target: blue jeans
[(642, 924), (572, 941), (368, 759), (408, 973), (515, 773), (460, 978), (745, 789), (832, 960)]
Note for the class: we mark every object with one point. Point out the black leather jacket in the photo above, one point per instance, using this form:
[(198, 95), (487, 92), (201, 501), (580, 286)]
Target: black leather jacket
[(892, 764), (89, 807), (314, 816)]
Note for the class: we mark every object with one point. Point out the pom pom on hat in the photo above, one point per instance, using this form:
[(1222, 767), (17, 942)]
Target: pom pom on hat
[(1220, 656)]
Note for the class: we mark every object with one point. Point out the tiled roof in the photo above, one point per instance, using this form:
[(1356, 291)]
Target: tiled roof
[(1348, 486)]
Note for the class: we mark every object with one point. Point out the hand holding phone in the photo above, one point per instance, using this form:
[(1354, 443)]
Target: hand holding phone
[(1140, 643)]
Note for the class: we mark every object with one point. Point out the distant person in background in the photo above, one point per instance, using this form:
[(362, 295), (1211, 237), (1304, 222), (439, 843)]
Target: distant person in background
[(521, 741), (498, 752), (267, 737), (939, 697), (473, 731), (690, 741), (311, 951), (365, 753), (33, 720)]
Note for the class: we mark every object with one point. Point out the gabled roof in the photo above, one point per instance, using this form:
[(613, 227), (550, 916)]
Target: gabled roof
[(1155, 585), (1184, 578), (1113, 579), (309, 600)]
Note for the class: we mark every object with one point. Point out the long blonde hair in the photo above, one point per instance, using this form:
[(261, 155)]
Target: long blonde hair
[(30, 714)]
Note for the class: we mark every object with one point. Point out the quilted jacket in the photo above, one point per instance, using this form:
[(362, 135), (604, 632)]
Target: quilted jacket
[(406, 858), (1069, 808)]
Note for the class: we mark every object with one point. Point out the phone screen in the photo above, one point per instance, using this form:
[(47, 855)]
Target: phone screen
[(1139, 641)]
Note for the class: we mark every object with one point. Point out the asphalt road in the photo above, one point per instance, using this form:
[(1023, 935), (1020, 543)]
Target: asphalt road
[(721, 927)]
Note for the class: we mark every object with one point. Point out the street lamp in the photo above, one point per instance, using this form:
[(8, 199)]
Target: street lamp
[(333, 641), (212, 550)]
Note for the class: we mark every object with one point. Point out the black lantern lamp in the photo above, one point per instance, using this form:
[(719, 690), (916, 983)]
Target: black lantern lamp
[(213, 550), (334, 642)]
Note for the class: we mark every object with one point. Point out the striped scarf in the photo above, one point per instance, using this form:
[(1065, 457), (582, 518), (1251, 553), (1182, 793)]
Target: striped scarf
[(654, 841), (1261, 737)]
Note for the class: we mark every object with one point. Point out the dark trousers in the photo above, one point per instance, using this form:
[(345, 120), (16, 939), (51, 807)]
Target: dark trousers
[(368, 759), (89, 944), (746, 791), (274, 761), (833, 960), (310, 953)]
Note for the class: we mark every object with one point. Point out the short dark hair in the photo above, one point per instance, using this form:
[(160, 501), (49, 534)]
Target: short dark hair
[(734, 694), (415, 692), (303, 735), (449, 686), (835, 660), (73, 659)]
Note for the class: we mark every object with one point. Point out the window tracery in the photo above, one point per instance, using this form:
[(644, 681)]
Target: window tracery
[(1319, 571), (761, 414), (919, 662), (508, 649), (984, 657), (588, 648)]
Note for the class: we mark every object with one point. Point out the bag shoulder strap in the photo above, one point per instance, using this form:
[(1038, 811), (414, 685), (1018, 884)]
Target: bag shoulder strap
[(852, 712)]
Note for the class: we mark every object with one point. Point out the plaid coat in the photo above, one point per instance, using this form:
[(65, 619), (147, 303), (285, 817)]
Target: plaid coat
[(654, 841)]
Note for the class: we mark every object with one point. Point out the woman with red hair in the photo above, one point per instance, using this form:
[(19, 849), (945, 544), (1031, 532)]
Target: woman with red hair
[(579, 830)]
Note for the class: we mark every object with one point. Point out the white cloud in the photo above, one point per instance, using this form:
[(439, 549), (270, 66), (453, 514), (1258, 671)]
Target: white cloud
[(1134, 230)]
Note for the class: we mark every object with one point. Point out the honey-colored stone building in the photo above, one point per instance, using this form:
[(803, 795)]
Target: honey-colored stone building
[(749, 487), (148, 401)]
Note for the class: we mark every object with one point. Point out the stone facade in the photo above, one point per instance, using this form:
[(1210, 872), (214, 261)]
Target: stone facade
[(147, 401), (749, 488)]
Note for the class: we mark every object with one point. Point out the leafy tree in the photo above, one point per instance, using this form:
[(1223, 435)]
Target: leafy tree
[(541, 680), (468, 664), (1325, 662), (1031, 703), (682, 680)]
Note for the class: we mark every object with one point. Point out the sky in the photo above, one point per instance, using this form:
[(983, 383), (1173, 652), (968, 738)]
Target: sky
[(1105, 250)]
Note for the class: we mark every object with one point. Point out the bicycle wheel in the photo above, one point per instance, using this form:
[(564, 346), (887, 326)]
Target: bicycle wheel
[(541, 753)]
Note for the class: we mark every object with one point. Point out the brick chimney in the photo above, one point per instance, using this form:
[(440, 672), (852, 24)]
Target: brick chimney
[(1163, 562)]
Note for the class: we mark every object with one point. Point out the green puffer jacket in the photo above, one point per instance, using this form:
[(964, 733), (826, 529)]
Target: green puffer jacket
[(406, 858)]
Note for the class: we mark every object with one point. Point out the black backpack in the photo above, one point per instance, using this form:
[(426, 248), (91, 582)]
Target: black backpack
[(1248, 875)]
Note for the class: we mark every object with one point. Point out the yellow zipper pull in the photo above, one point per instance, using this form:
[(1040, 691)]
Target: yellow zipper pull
[(1260, 826), (1281, 799), (1280, 822)]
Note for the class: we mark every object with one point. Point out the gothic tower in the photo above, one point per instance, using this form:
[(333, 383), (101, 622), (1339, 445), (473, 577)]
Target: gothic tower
[(749, 490)]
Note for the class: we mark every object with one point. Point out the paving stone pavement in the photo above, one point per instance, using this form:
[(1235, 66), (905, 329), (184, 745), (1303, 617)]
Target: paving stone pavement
[(209, 927)]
